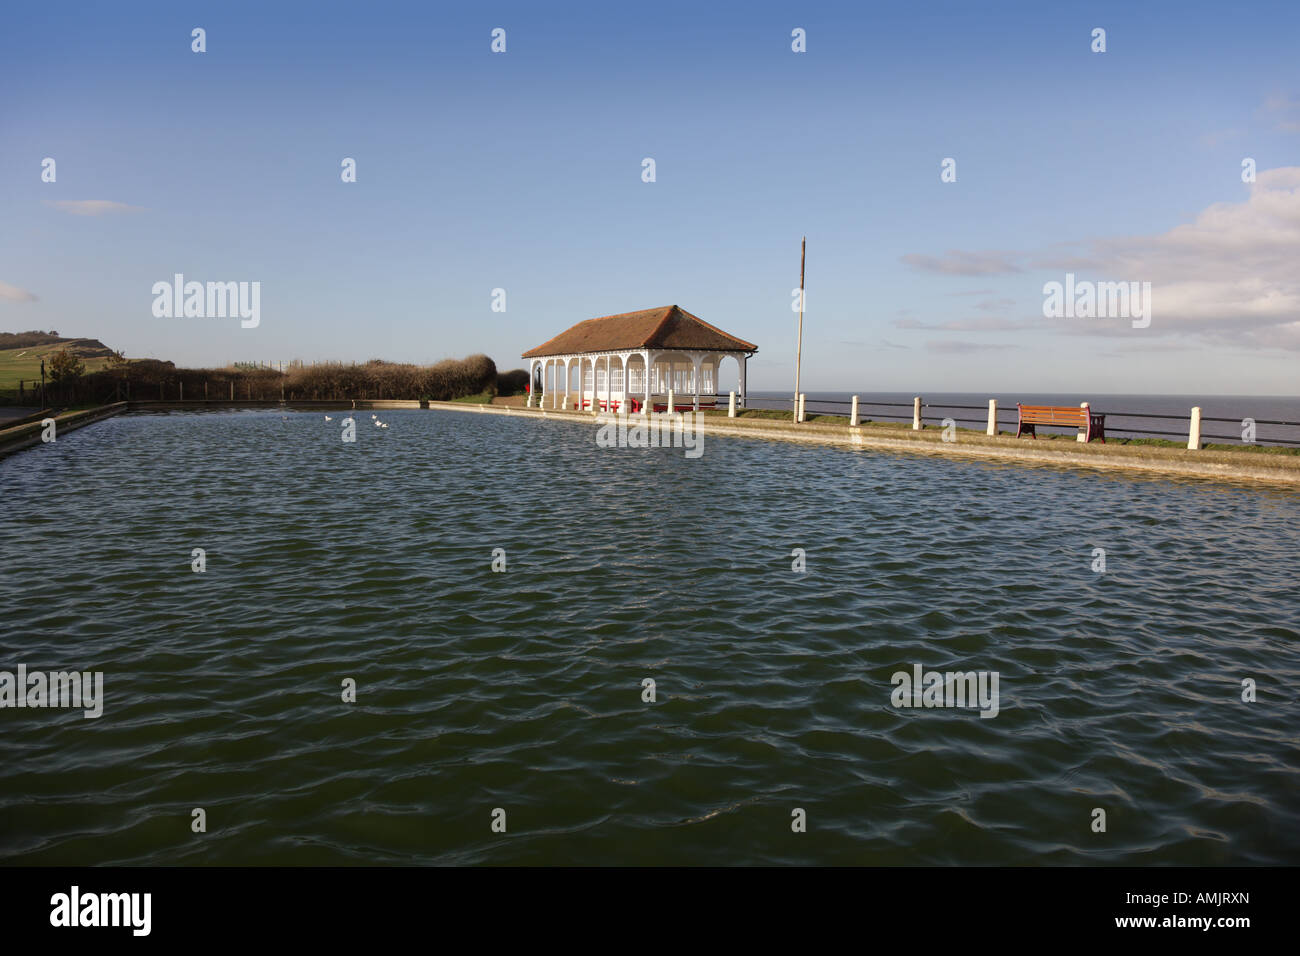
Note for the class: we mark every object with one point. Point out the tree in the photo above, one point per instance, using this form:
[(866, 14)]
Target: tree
[(65, 367), (117, 363)]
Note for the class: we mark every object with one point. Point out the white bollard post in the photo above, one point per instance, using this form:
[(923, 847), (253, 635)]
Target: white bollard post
[(853, 415), (803, 411), (731, 406), (916, 414), (1083, 432), (564, 405), (993, 417), (1194, 433)]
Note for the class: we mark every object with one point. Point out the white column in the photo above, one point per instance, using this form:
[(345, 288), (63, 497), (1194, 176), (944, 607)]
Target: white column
[(743, 360), (625, 394), (916, 414), (802, 403), (993, 417), (731, 406), (672, 399), (696, 383), (645, 409), (531, 365), (1194, 432), (853, 415)]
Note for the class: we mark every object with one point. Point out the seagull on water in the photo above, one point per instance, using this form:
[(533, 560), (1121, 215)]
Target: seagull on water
[(328, 419)]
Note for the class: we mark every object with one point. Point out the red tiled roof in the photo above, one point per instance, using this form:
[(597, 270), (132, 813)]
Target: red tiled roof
[(668, 327)]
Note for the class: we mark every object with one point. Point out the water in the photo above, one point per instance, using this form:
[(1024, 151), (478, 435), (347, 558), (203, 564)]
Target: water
[(522, 690)]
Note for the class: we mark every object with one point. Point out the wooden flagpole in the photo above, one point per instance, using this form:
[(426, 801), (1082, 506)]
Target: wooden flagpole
[(798, 348)]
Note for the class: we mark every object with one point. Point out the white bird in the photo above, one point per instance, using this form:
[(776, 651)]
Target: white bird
[(378, 424), (374, 416), (328, 419), (385, 425)]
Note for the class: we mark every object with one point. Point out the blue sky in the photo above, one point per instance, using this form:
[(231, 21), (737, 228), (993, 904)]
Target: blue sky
[(522, 171)]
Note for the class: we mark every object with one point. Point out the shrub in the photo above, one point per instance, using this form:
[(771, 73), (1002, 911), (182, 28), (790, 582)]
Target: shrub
[(513, 382), (66, 367), (330, 381)]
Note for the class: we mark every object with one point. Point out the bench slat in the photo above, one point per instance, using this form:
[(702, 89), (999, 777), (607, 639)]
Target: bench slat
[(1053, 415)]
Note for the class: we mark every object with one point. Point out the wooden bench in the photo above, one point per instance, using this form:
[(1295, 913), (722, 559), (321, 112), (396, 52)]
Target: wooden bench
[(1062, 416)]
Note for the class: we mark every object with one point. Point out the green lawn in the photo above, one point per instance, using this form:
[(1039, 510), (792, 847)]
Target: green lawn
[(25, 364), (784, 416), (482, 398)]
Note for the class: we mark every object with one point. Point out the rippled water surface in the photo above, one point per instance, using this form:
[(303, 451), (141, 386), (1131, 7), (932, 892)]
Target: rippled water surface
[(523, 690)]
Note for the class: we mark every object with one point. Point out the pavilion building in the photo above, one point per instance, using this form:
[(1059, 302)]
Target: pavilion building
[(632, 361)]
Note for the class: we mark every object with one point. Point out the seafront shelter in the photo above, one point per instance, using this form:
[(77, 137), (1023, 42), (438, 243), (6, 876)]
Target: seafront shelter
[(631, 362)]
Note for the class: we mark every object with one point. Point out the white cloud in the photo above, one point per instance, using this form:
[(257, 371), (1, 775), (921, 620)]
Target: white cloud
[(959, 263), (1219, 136), (1284, 111), (965, 348), (1231, 277), (90, 207), (11, 293), (982, 324)]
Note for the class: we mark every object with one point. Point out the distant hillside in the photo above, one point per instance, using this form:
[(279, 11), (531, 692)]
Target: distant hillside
[(21, 354), (83, 348)]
